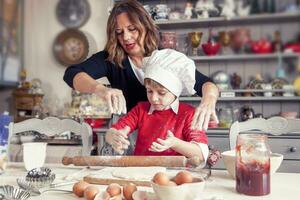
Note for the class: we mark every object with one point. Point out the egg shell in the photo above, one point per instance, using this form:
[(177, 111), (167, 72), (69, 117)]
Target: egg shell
[(114, 189), (90, 192), (161, 178), (183, 177), (128, 190), (79, 187)]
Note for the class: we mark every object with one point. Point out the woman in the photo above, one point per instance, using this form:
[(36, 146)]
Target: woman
[(132, 35)]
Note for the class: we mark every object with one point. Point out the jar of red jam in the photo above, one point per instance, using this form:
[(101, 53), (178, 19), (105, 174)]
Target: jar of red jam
[(252, 165)]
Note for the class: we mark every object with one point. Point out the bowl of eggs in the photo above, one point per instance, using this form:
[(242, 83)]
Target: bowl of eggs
[(229, 161), (182, 186)]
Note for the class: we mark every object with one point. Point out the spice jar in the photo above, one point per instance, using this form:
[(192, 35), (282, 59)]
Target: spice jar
[(252, 165)]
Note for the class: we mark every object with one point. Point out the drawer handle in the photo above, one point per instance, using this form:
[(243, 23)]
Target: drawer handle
[(293, 149)]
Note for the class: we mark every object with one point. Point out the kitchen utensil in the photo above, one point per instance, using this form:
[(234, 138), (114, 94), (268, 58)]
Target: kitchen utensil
[(40, 177), (28, 186), (126, 161), (185, 191), (108, 181), (11, 193)]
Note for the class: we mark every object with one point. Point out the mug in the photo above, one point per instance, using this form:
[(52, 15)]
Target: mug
[(34, 154)]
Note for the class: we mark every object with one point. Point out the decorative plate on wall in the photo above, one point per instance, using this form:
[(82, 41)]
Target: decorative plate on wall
[(73, 13), (70, 47)]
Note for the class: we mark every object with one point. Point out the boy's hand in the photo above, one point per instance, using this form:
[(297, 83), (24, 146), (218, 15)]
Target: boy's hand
[(118, 139), (162, 145)]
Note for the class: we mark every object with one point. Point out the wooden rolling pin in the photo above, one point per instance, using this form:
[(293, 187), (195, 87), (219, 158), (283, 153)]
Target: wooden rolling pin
[(131, 161)]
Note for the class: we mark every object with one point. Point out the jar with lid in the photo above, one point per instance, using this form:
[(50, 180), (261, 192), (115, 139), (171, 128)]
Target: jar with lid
[(252, 165)]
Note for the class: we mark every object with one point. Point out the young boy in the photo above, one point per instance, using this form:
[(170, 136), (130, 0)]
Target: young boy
[(163, 123)]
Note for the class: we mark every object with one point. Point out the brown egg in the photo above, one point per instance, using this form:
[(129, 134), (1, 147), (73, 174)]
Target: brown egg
[(128, 190), (183, 177), (172, 183), (114, 189), (90, 192), (161, 178), (79, 187)]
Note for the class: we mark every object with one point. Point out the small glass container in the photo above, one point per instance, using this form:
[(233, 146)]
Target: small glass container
[(252, 165), (168, 40), (225, 117)]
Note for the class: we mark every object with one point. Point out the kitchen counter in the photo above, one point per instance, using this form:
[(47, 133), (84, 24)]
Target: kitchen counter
[(219, 185)]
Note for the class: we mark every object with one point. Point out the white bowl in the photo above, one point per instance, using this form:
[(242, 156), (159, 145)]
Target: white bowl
[(228, 158), (185, 191)]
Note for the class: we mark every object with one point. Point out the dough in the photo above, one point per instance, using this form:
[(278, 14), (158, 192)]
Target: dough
[(137, 173)]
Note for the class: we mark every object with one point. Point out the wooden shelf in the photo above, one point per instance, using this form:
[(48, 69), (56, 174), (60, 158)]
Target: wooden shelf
[(222, 21), (238, 57), (260, 98)]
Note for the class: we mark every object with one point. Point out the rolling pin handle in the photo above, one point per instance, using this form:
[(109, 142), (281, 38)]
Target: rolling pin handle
[(67, 160)]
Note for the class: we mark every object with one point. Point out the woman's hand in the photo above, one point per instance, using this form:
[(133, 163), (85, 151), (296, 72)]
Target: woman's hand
[(118, 139), (162, 145), (114, 98), (205, 112)]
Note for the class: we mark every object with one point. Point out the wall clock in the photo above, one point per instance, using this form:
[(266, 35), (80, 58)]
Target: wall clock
[(73, 13), (70, 47)]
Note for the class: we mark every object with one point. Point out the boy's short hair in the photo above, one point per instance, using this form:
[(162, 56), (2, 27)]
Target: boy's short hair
[(172, 69), (153, 83)]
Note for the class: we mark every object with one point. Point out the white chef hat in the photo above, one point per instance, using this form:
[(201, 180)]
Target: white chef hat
[(172, 69)]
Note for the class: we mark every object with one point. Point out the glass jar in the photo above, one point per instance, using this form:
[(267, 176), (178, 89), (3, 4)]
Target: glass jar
[(252, 165), (225, 117), (168, 40)]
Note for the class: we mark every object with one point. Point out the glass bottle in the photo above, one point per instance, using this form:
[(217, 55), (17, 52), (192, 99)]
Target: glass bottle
[(252, 165)]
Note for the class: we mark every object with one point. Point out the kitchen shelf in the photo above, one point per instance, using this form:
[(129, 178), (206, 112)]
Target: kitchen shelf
[(222, 21), (238, 57), (260, 98)]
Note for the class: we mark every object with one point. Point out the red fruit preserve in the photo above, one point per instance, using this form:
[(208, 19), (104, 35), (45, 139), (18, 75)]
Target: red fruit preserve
[(252, 165), (253, 179)]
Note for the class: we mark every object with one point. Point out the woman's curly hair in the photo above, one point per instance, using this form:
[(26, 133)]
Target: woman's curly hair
[(142, 22)]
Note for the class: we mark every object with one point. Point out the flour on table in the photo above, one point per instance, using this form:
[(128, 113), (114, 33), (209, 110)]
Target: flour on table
[(137, 173)]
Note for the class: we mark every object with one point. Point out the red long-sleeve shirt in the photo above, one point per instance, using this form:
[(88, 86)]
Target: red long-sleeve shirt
[(155, 125)]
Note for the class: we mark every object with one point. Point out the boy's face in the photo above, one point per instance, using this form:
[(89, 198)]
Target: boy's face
[(159, 97)]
